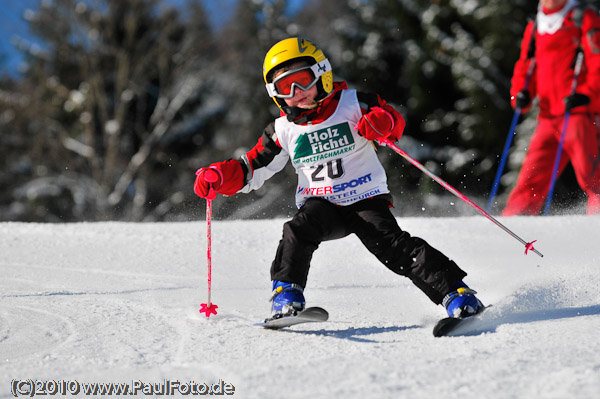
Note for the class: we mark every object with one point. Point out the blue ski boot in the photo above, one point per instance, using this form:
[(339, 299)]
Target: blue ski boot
[(287, 298), (462, 302)]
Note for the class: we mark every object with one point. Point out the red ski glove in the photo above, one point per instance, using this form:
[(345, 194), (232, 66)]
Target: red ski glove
[(381, 123), (225, 178), (207, 181)]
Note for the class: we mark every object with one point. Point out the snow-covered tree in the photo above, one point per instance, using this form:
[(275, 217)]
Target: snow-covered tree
[(107, 95), (124, 100)]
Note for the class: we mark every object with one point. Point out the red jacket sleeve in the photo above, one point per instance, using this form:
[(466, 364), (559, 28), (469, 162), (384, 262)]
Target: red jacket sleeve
[(521, 69), (590, 43)]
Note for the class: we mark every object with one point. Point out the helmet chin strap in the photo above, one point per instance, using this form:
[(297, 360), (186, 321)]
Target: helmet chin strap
[(301, 115), (294, 114)]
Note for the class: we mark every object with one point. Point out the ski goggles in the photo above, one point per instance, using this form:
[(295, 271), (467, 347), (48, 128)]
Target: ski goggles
[(285, 85)]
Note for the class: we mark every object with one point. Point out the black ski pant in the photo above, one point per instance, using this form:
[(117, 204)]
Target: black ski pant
[(373, 223)]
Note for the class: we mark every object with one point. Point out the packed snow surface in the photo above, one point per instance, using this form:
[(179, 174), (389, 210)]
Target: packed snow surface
[(118, 302)]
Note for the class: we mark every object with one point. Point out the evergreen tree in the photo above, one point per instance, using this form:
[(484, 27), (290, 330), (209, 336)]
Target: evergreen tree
[(124, 100), (446, 65), (113, 79), (255, 26)]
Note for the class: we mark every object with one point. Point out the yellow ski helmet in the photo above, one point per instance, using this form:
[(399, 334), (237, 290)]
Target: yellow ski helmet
[(292, 50)]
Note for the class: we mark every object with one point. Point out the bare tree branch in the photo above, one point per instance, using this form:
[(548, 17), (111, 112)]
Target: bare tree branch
[(186, 90)]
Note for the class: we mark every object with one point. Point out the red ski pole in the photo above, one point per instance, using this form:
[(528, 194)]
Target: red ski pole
[(414, 162), (209, 308)]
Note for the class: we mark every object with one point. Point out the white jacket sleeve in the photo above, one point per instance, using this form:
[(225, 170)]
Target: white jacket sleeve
[(262, 174), (263, 161)]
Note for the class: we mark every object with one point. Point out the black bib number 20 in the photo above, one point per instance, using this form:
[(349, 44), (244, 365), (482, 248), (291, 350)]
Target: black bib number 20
[(332, 169)]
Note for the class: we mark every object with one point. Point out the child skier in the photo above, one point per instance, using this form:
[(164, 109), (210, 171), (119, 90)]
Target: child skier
[(326, 130)]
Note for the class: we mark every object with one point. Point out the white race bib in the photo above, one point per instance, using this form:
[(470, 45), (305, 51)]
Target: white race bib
[(331, 159)]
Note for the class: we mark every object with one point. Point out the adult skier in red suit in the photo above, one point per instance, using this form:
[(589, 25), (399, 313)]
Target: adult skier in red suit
[(560, 30)]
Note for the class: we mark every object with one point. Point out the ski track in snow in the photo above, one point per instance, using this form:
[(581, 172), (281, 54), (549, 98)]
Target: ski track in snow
[(118, 302)]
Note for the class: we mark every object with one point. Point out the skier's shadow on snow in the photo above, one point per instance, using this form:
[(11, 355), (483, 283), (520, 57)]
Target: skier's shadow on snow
[(490, 324), (487, 324), (355, 334)]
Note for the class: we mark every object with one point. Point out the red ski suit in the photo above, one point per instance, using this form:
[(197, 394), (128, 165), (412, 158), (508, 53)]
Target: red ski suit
[(551, 82)]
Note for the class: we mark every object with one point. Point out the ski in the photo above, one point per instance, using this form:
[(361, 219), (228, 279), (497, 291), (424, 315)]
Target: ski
[(308, 315), (449, 324)]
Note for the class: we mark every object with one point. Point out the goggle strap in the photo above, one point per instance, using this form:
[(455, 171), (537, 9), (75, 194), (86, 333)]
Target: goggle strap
[(271, 89)]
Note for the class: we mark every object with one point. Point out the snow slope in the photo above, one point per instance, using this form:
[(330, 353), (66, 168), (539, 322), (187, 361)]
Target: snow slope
[(118, 302)]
